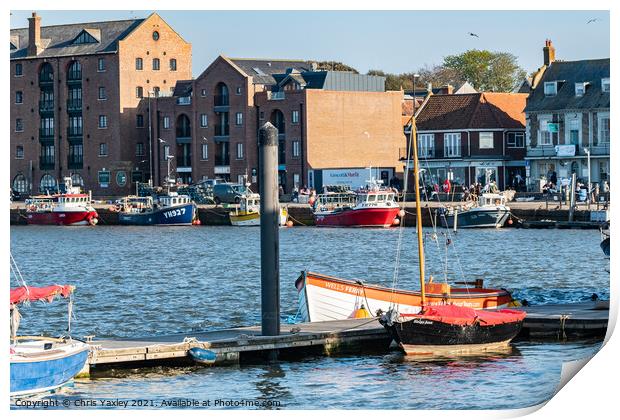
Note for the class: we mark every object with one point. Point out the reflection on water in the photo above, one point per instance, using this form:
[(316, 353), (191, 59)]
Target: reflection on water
[(140, 281)]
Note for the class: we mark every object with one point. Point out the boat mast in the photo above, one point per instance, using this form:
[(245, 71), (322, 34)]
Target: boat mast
[(418, 207)]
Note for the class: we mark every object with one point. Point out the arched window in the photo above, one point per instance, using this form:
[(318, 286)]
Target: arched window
[(156, 64), (48, 183), (221, 95), (277, 119), (74, 71), (184, 128), (77, 180), (20, 183), (46, 74)]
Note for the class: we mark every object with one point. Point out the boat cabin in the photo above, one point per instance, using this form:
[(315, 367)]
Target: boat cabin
[(70, 200), (40, 203), (134, 204), (250, 203), (173, 200), (373, 198), (491, 200)]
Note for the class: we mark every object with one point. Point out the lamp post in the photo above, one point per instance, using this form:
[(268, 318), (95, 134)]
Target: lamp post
[(587, 150)]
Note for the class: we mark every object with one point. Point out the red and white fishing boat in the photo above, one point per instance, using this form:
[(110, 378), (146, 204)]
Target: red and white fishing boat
[(70, 209), (326, 298), (374, 206)]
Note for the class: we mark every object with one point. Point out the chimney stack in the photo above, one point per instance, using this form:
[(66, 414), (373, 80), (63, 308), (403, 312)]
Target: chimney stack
[(548, 53), (35, 45)]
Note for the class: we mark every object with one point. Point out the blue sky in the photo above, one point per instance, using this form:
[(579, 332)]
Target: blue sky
[(393, 41)]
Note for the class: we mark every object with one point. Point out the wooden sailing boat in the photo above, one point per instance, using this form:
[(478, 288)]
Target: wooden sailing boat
[(447, 329)]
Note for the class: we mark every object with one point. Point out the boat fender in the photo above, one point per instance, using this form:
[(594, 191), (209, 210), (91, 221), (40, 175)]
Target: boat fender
[(362, 312), (93, 221), (401, 213), (202, 356), (289, 223)]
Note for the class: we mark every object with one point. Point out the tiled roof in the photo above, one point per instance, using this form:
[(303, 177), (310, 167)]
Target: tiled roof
[(261, 70), (59, 38), (567, 73), (472, 111), (182, 88)]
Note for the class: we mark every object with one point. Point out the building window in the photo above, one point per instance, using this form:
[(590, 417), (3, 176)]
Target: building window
[(48, 183), (452, 144), (104, 179), (166, 152), (295, 117), (140, 121), (603, 170), (101, 64), (238, 91), (103, 149), (173, 64), (605, 84), (155, 36), (296, 149), (205, 152), (203, 92), (76, 179), (580, 88), (19, 124), (20, 183), (121, 178), (19, 97), (516, 140), (156, 64), (19, 69), (573, 131), (139, 92), (551, 88), (166, 122), (546, 132), (102, 94), (139, 64), (239, 150), (603, 129), (426, 145), (19, 152), (140, 149), (156, 91), (239, 118), (204, 120), (75, 125), (486, 140), (103, 121)]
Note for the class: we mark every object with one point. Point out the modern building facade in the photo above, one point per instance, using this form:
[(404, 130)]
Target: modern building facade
[(469, 138), (332, 125), (75, 95), (568, 121)]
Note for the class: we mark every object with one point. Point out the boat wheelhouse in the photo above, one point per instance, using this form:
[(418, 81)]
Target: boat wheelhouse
[(72, 208), (490, 211)]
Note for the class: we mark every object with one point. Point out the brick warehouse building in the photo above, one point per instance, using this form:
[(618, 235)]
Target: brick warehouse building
[(331, 124), (75, 91)]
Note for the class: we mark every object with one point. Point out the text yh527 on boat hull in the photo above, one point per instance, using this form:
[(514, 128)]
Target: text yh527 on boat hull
[(175, 216), (326, 298), (448, 329)]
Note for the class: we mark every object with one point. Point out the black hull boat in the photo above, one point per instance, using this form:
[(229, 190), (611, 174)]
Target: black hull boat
[(448, 329)]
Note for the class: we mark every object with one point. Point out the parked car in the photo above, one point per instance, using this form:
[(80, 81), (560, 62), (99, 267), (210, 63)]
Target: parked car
[(228, 193)]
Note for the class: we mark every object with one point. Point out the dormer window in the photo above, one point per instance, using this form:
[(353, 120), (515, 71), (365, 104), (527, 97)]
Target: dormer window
[(605, 84), (88, 36), (551, 88), (580, 88)]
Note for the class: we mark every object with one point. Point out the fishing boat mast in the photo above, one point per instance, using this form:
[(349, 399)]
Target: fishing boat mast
[(418, 208)]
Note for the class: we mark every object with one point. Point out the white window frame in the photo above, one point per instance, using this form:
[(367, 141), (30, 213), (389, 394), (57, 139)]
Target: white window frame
[(239, 118), (570, 120), (17, 148), (166, 151), (240, 154), (204, 155), (18, 129), (452, 145), (549, 85), (426, 145), (100, 68), (203, 92), (605, 82), (296, 148), (204, 120), (486, 136), (602, 116), (20, 94), (295, 117), (105, 94), (542, 128), (580, 88), (139, 149), (166, 122), (106, 149)]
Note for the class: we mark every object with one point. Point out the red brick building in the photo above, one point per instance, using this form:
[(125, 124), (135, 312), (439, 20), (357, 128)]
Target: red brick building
[(75, 91), (330, 123), (470, 138)]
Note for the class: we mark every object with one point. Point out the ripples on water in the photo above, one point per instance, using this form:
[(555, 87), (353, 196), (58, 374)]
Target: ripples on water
[(140, 281)]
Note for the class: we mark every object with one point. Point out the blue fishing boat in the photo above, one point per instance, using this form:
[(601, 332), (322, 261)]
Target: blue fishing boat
[(170, 209), (491, 211), (41, 364)]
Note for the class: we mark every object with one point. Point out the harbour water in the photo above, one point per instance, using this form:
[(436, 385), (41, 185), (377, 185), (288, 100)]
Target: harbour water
[(137, 281)]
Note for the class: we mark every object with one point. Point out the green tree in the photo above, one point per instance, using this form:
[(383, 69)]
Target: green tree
[(334, 66), (487, 70)]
